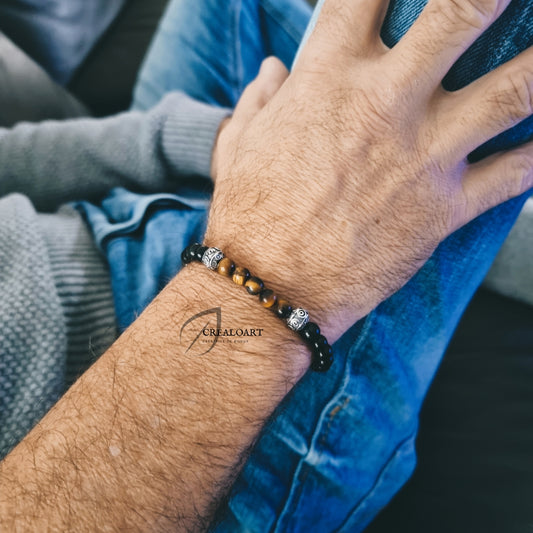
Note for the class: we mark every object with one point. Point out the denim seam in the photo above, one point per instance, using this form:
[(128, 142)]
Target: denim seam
[(294, 495), (237, 59), (282, 21), (379, 477)]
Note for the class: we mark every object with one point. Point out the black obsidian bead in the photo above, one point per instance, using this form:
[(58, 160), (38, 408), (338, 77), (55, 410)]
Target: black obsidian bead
[(188, 255), (321, 362), (254, 285), (326, 350), (200, 251), (319, 343), (283, 309), (310, 332)]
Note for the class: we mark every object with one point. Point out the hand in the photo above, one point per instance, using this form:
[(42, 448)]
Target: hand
[(342, 186), (258, 93)]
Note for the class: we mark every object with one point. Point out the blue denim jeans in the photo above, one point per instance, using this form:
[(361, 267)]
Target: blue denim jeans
[(341, 444)]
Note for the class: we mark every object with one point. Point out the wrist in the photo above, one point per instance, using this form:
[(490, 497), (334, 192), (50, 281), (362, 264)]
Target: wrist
[(294, 275), (224, 323)]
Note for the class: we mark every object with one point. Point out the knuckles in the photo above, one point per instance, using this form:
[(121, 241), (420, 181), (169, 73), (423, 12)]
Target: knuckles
[(468, 13), (514, 96), (518, 174)]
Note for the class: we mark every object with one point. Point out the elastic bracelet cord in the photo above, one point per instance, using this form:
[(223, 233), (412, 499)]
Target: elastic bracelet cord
[(296, 319)]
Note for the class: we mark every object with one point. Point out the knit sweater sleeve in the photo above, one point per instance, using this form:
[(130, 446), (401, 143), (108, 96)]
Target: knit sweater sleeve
[(83, 159)]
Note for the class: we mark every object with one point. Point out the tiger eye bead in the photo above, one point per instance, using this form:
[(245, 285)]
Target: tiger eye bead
[(283, 309), (240, 276), (226, 267), (254, 285), (267, 298)]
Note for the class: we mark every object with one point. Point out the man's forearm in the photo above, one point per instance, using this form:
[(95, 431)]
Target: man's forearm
[(153, 435)]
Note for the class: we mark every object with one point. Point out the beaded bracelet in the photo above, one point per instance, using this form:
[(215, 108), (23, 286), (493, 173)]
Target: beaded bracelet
[(296, 319)]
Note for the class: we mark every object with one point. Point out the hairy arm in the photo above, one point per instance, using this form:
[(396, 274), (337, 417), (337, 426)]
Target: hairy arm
[(151, 437), (334, 193)]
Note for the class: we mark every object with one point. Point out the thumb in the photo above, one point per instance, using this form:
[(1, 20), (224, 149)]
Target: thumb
[(271, 77)]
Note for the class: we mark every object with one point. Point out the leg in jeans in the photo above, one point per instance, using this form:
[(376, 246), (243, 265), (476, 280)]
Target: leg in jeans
[(211, 49), (342, 444)]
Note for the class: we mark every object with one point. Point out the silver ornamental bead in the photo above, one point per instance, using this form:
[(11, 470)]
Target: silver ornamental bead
[(298, 319), (212, 257)]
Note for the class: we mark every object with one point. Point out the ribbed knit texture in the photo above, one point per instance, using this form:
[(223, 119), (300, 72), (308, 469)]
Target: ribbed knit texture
[(84, 288), (33, 344), (56, 311), (56, 162), (189, 137)]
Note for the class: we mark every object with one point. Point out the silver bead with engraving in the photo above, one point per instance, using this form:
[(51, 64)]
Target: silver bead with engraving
[(298, 319), (212, 257)]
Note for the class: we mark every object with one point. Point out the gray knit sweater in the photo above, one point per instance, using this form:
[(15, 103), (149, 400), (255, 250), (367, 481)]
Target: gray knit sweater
[(56, 307)]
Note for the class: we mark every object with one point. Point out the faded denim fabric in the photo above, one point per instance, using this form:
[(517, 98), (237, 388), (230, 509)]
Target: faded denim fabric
[(143, 237), (341, 444)]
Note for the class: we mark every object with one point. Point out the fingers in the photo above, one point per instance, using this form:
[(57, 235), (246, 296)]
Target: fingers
[(498, 179), (352, 24), (442, 33), (490, 105), (271, 77)]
